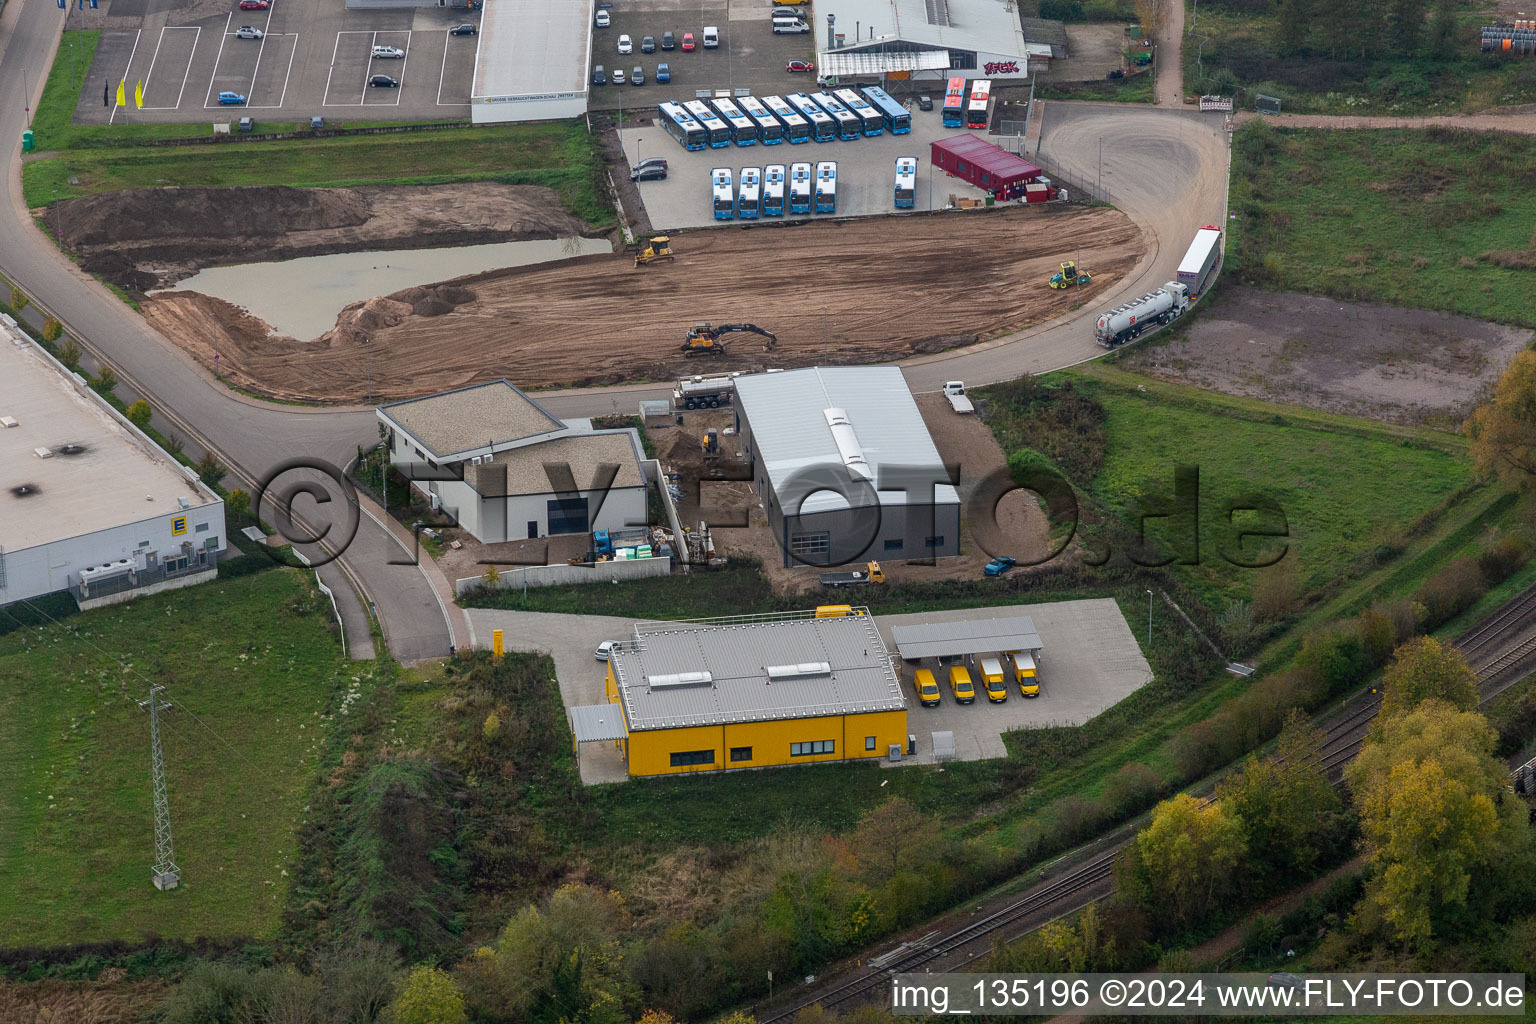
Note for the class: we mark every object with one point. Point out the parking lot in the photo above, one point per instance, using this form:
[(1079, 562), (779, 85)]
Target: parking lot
[(750, 55), (1090, 662), (866, 168), (309, 60)]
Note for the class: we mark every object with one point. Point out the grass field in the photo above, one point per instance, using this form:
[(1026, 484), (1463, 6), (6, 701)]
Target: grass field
[(1235, 50), (1137, 89), (102, 158), (252, 659), (1434, 219)]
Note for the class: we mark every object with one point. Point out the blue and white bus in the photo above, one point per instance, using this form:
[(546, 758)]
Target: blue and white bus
[(823, 128), (906, 182), (769, 131), (848, 127), (796, 128), (800, 188), (743, 129), (716, 131), (826, 186), (869, 118), (681, 126), (724, 195), (773, 190), (748, 201), (897, 118)]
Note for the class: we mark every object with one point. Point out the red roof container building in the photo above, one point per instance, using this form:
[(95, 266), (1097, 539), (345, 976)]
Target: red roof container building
[(984, 165)]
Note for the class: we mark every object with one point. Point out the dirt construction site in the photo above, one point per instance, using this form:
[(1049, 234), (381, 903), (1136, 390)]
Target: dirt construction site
[(832, 292)]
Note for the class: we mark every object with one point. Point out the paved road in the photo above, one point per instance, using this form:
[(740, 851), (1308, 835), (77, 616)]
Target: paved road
[(1167, 170), (252, 437), (1169, 87)]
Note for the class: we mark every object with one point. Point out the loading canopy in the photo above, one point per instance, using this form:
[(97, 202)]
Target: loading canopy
[(593, 722), (866, 62), (968, 636)]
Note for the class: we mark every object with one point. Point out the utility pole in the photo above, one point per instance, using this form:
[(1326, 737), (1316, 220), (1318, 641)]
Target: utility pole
[(1101, 167), (165, 874)]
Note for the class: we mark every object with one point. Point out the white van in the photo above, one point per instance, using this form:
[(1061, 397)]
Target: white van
[(711, 37), (789, 28)]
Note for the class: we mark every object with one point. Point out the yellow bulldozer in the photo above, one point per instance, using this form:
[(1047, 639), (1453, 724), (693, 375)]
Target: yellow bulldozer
[(1069, 275), (657, 250)]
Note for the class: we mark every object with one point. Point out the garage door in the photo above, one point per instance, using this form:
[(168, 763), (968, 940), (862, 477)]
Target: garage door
[(568, 515)]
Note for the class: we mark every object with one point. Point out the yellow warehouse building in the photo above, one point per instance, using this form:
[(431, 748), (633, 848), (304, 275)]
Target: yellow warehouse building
[(750, 691)]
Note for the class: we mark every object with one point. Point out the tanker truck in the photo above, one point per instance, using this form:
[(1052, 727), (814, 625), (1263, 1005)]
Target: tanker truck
[(1127, 322)]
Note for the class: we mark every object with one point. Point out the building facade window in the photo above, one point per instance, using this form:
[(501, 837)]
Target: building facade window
[(933, 542), (201, 528), (893, 545), (812, 747), (962, 60), (741, 753), (869, 743), (567, 515), (683, 758), (810, 544)]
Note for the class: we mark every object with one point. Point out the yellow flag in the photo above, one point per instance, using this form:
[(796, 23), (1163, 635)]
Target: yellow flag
[(122, 100), (138, 93)]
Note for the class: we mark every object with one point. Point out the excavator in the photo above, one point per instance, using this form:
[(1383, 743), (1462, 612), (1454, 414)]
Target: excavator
[(657, 250), (1070, 275), (704, 338)]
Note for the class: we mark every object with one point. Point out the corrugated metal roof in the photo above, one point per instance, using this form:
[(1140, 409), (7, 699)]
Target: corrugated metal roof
[(970, 636), (592, 722), (867, 62), (791, 436), (995, 161), (985, 26), (737, 654)]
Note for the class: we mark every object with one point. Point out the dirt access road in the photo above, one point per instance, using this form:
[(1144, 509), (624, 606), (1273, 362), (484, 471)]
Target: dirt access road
[(870, 290), (153, 237)]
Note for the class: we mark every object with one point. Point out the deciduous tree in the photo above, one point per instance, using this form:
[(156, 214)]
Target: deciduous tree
[(1503, 431), (1425, 669), (210, 470), (139, 414), (890, 837), (19, 300), (429, 996), (1185, 861)]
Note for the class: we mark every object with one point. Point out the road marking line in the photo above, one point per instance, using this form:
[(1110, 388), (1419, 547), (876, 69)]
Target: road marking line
[(113, 116), (216, 60), (368, 71), (335, 52), (187, 72), (265, 31), (447, 41), (400, 89)]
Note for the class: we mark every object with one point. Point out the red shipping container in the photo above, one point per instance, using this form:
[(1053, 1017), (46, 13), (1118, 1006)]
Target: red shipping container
[(984, 165)]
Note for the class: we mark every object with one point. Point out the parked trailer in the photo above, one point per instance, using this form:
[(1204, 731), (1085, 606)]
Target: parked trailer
[(1126, 323), (826, 186), (1200, 260), (800, 188), (773, 190), (707, 391)]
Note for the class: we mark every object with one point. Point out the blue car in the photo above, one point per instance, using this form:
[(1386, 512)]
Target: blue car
[(663, 74), (231, 99), (998, 566)]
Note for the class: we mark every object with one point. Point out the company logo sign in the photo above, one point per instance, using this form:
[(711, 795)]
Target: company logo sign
[(1001, 67), (178, 526)]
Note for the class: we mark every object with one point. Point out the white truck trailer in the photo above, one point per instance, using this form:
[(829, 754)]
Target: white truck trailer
[(1126, 323), (1198, 263)]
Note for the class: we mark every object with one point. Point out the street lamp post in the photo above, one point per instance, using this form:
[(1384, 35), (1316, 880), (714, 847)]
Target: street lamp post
[(1149, 619), (1100, 186)]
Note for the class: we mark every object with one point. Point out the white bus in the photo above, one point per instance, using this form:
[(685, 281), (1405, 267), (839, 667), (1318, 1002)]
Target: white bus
[(716, 130), (823, 128), (747, 202), (796, 128), (800, 188), (743, 128), (826, 186), (869, 117), (769, 131), (724, 194), (906, 182), (773, 190)]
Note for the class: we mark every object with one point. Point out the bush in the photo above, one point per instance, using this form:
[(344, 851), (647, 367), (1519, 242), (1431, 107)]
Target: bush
[(105, 382), (52, 329), (1501, 561), (139, 414), (1130, 789), (1450, 592), (212, 993), (1336, 655), (1078, 818)]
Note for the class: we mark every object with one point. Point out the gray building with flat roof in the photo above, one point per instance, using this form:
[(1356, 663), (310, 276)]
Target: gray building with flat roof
[(532, 60), (845, 467)]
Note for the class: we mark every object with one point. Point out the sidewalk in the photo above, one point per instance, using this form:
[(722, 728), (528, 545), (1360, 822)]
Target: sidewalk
[(461, 633)]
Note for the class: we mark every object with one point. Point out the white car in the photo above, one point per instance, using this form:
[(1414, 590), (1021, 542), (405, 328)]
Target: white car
[(387, 53), (247, 32), (605, 648), (626, 45), (618, 76), (602, 19)]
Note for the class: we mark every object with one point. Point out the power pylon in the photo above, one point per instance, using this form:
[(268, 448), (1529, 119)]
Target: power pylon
[(165, 874)]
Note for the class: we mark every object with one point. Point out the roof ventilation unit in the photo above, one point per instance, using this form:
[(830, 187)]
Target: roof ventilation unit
[(43, 453), (8, 421), (848, 444)]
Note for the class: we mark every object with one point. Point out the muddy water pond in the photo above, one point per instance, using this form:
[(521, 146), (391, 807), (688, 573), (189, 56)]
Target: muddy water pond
[(300, 298)]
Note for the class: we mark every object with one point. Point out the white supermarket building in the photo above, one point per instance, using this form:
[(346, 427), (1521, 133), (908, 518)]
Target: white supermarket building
[(532, 62)]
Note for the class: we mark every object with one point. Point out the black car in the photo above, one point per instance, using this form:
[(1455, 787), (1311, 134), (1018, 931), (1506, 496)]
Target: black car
[(384, 82), (599, 75), (925, 103), (648, 44), (1116, 73), (652, 161), (668, 40), (465, 29), (649, 172)]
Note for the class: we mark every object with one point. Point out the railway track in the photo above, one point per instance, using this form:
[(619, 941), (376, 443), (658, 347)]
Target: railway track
[(1495, 648)]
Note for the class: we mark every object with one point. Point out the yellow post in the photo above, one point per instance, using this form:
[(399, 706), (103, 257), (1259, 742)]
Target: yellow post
[(496, 648)]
